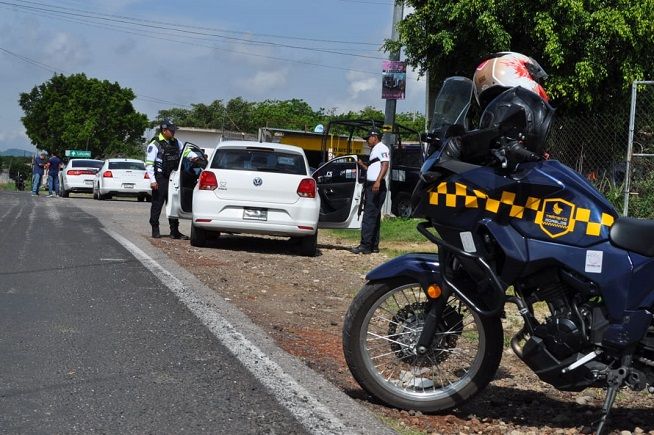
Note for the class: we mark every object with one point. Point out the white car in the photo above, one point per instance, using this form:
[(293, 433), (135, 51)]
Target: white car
[(78, 176), (122, 177), (265, 188)]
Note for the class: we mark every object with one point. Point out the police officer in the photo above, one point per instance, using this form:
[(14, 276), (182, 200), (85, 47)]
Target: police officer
[(374, 192), (162, 158)]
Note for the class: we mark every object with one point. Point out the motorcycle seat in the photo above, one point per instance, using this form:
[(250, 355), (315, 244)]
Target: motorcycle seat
[(633, 234)]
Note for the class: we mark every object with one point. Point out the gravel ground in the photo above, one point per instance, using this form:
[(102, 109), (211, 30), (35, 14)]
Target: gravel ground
[(301, 302)]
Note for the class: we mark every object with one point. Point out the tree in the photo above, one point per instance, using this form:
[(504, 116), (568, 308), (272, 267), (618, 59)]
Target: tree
[(75, 112), (592, 50)]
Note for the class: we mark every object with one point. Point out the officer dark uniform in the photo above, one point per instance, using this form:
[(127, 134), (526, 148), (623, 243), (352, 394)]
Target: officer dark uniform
[(162, 158)]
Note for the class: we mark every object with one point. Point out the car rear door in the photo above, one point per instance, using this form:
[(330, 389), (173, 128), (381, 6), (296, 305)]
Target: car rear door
[(340, 188)]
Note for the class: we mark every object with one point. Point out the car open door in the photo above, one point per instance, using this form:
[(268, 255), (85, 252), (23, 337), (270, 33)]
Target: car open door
[(339, 185), (182, 182)]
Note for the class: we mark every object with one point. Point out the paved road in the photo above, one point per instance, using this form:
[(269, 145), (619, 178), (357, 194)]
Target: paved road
[(102, 333)]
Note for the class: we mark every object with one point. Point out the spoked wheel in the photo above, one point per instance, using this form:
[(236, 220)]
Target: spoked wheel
[(380, 333)]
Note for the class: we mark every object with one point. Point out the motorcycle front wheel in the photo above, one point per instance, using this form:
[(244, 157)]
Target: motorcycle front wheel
[(380, 332)]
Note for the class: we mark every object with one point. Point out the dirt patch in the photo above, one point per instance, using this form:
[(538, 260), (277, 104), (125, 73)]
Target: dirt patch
[(301, 303)]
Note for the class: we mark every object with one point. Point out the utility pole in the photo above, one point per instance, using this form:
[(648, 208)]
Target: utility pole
[(391, 105)]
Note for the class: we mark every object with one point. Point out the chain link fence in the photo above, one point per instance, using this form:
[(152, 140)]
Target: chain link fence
[(639, 186), (595, 145)]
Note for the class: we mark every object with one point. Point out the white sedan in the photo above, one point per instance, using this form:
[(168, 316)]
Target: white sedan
[(122, 177), (260, 188), (78, 176)]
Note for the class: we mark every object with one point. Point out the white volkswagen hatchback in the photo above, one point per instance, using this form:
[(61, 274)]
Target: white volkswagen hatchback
[(122, 177), (263, 188)]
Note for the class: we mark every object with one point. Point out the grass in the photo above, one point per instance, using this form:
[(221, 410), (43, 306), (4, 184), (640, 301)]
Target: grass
[(398, 236), (8, 186)]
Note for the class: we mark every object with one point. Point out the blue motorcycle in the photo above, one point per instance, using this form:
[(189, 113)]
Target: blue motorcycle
[(511, 227)]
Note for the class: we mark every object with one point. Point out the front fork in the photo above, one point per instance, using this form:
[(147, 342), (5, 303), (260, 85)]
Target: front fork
[(431, 322)]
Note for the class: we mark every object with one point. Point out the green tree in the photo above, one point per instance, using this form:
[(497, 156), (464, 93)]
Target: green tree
[(591, 49), (75, 112)]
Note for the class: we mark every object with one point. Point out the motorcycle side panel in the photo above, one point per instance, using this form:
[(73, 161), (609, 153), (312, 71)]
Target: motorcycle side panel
[(423, 267)]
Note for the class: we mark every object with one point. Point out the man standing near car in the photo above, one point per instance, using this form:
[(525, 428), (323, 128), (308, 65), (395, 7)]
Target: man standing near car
[(38, 166), (374, 192), (162, 158)]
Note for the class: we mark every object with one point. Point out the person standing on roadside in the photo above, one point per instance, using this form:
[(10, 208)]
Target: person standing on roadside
[(162, 157), (374, 192), (38, 165), (54, 164)]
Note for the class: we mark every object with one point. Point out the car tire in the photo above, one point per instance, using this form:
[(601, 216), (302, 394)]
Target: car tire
[(309, 245), (141, 198), (402, 206), (64, 193), (198, 237)]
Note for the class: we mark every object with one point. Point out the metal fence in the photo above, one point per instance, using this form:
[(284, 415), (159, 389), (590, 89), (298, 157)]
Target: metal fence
[(639, 185), (594, 145)]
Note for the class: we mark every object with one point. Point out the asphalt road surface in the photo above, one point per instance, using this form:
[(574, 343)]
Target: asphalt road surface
[(102, 333)]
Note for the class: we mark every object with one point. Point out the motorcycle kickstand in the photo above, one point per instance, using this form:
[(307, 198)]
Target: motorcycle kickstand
[(615, 379)]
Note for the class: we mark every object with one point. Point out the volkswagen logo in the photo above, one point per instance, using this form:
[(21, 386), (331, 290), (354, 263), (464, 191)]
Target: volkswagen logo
[(257, 181)]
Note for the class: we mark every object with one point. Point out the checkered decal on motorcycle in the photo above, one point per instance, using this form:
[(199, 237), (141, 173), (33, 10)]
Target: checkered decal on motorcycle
[(555, 216)]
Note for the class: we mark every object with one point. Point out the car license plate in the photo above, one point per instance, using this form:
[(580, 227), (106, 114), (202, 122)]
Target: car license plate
[(88, 182), (128, 185), (257, 214)]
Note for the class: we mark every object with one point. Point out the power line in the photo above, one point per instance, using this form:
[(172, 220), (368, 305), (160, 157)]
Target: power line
[(180, 29), (245, 53)]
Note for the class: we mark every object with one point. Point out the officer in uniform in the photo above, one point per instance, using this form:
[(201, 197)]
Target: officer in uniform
[(374, 192), (162, 158)]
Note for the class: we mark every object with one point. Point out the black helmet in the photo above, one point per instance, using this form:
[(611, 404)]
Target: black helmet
[(531, 129), (168, 124)]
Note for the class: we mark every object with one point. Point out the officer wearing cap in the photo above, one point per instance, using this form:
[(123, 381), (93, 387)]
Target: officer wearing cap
[(374, 192), (162, 158)]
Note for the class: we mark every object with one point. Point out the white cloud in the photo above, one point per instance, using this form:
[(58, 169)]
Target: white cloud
[(264, 81), (66, 52)]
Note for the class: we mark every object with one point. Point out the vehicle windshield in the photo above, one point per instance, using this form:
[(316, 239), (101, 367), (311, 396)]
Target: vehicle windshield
[(410, 156), (97, 164), (135, 166), (264, 160)]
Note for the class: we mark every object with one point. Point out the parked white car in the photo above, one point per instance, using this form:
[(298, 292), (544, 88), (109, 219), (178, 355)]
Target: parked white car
[(264, 188), (78, 176), (122, 177)]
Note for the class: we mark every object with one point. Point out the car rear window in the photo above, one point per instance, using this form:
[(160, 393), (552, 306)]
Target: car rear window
[(87, 164), (264, 160), (135, 166)]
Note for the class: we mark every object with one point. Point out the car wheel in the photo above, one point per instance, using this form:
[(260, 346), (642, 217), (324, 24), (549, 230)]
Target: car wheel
[(309, 245), (141, 198), (198, 237), (64, 193), (402, 206), (149, 198)]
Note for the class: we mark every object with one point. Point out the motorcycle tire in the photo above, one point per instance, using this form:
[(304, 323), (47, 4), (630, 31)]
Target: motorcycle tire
[(380, 332)]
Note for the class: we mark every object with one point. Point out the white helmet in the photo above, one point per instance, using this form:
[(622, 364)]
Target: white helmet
[(505, 70)]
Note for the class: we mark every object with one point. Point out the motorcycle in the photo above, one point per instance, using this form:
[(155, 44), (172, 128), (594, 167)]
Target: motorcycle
[(20, 182), (425, 331)]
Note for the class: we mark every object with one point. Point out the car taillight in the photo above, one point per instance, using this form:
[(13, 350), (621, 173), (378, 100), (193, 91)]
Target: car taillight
[(307, 188), (107, 174), (207, 181), (80, 172)]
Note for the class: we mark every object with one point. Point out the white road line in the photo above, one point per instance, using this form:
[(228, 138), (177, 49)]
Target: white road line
[(314, 416)]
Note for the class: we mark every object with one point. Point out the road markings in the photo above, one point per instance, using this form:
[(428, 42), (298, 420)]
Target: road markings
[(309, 412)]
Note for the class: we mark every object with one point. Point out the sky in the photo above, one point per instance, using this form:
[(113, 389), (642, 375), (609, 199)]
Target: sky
[(178, 53)]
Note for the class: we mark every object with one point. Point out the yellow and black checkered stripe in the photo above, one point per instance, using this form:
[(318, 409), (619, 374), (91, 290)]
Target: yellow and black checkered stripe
[(457, 195)]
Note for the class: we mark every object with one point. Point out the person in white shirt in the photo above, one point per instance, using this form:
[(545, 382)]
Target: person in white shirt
[(374, 192)]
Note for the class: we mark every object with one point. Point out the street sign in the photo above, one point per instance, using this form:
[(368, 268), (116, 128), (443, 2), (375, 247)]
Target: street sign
[(78, 153)]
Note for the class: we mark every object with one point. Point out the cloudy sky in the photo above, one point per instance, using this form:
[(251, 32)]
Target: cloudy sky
[(177, 53)]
